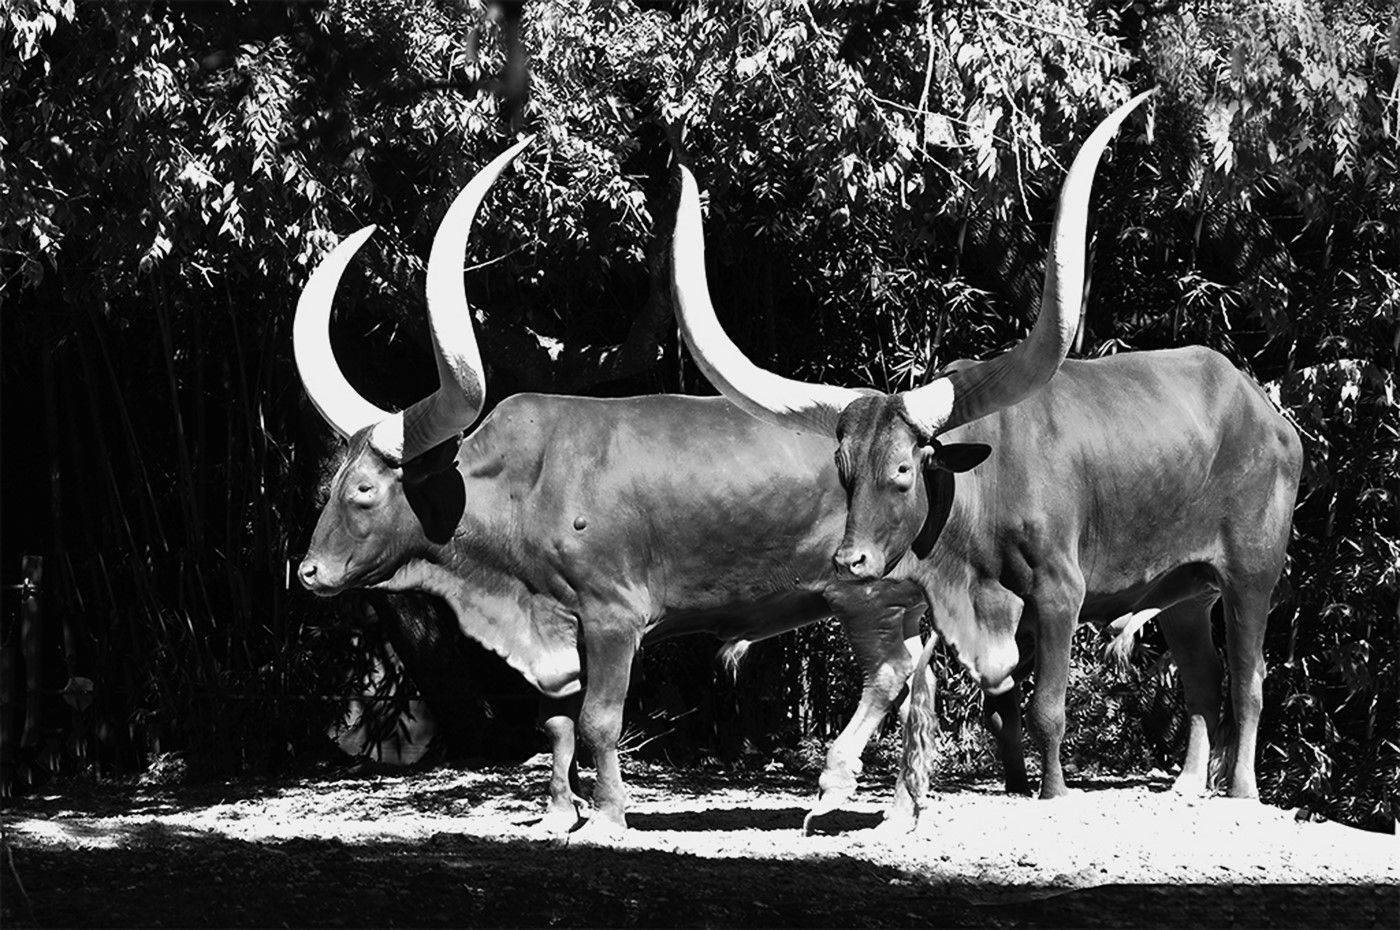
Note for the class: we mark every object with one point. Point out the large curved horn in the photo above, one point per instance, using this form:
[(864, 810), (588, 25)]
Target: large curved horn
[(958, 398), (339, 403), (977, 390), (457, 402), (794, 404)]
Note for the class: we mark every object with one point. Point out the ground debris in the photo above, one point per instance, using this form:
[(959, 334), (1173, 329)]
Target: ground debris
[(457, 848)]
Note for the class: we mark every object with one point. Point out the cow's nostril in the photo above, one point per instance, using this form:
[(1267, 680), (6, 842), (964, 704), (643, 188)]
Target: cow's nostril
[(852, 561)]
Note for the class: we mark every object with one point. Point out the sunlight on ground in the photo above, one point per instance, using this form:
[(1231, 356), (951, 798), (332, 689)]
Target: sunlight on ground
[(1131, 833), (60, 833)]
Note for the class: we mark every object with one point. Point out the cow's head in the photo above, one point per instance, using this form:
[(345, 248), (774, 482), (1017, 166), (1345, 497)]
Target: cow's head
[(393, 496), (886, 443)]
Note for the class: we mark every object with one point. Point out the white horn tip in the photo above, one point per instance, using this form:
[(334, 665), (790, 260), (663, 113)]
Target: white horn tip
[(929, 408)]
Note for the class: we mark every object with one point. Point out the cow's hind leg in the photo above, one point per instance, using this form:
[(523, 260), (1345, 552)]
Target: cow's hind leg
[(1246, 615), (565, 803), (1186, 626)]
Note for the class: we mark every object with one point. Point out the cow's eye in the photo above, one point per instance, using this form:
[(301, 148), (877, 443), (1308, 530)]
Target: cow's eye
[(841, 459), (364, 493)]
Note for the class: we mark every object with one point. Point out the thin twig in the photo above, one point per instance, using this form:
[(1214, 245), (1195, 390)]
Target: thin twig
[(491, 261), (922, 144), (812, 18), (918, 111), (1059, 33), (1020, 179), (928, 66), (628, 750), (28, 904)]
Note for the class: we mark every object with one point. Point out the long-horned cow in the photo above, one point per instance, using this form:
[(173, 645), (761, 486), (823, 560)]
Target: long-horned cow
[(565, 531), (1149, 481)]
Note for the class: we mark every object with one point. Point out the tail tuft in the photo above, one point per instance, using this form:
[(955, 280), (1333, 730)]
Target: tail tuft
[(1222, 754), (731, 656), (920, 726), (1125, 630)]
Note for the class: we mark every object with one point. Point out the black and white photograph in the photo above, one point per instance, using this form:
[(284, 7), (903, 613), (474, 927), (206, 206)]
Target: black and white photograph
[(699, 463)]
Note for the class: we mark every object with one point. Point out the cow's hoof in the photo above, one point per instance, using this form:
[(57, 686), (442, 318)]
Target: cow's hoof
[(556, 824), (598, 831), (1050, 792), (829, 803), (1190, 786), (896, 826), (832, 796)]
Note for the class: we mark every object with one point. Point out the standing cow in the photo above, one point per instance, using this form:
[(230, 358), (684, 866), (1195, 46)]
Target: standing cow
[(564, 531), (1149, 481)]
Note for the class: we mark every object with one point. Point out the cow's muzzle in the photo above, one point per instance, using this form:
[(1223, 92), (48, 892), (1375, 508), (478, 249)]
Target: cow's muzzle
[(314, 579), (859, 563)]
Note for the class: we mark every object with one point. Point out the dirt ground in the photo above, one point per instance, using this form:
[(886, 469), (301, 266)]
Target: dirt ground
[(459, 848)]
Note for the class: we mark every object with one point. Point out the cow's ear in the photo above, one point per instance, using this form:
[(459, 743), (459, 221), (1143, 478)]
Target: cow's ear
[(434, 490), (958, 456), (440, 458)]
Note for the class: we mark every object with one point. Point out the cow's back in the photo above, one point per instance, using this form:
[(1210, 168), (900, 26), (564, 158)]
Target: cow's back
[(676, 506), (1132, 465)]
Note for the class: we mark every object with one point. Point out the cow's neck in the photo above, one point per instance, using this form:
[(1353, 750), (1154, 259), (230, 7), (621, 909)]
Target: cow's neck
[(957, 575), (532, 632), (501, 596)]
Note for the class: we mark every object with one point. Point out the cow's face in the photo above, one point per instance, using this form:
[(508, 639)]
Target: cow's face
[(367, 528), (380, 514), (886, 466), (880, 460)]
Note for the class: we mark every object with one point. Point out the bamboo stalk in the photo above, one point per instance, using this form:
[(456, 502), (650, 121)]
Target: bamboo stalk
[(118, 398), (102, 460), (189, 505)]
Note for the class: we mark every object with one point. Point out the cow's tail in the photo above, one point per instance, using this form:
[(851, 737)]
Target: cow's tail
[(1124, 631), (1224, 750), (731, 656), (920, 726)]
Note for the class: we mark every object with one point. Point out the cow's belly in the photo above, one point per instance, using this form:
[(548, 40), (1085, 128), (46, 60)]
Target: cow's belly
[(1158, 592), (754, 620), (1144, 581)]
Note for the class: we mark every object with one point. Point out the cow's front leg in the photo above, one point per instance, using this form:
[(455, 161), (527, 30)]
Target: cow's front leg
[(1246, 616), (878, 635), (565, 803), (1057, 602), (1001, 714), (608, 654)]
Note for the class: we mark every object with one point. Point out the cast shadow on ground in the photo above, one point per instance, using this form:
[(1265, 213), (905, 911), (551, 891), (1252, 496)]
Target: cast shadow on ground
[(196, 880), (730, 819)]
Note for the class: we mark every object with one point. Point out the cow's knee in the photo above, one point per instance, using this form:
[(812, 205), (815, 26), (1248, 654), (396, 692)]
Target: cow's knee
[(1046, 720)]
